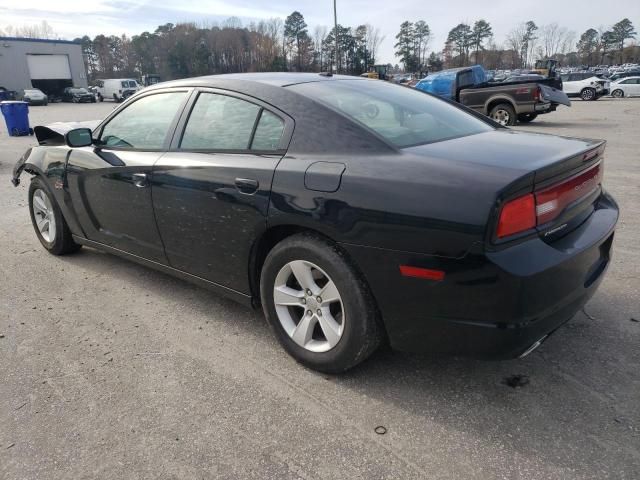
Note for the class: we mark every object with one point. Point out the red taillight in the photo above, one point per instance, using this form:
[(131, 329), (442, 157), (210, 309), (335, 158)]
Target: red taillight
[(543, 206), (551, 201), (537, 94), (517, 216)]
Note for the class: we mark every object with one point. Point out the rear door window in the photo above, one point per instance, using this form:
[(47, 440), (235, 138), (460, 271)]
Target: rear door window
[(268, 132), (220, 122)]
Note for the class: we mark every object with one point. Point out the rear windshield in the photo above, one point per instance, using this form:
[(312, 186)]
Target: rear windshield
[(401, 115)]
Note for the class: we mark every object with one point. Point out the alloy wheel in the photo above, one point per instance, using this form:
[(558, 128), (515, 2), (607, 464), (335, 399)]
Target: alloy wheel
[(617, 93), (309, 306), (588, 94), (502, 117), (44, 216)]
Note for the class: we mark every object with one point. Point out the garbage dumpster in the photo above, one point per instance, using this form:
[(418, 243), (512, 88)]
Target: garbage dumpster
[(16, 116)]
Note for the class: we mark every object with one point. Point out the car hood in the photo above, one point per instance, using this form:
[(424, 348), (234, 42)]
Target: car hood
[(53, 134)]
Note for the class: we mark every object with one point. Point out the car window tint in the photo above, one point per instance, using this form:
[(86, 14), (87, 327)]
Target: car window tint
[(145, 123), (402, 116), (219, 122), (268, 133)]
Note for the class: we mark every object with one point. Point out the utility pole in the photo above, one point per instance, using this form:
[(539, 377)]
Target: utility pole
[(335, 30)]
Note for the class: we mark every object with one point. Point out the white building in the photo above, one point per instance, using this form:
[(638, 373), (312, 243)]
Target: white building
[(50, 65)]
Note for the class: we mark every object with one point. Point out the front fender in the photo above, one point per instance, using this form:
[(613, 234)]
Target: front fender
[(19, 167)]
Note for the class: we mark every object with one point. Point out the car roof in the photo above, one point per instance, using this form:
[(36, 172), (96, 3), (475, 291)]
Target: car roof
[(277, 79)]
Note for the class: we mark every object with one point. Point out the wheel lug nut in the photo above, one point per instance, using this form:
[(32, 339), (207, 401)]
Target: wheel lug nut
[(309, 313), (319, 312), (303, 300), (309, 292), (319, 299)]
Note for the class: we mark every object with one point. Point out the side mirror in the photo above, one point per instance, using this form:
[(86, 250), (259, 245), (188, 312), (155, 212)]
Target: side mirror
[(78, 137)]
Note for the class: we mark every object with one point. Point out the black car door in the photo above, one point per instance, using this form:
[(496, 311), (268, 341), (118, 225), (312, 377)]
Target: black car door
[(211, 190), (110, 183)]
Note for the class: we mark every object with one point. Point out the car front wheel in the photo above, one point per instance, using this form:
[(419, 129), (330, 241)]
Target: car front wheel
[(588, 94), (51, 228), (617, 93), (318, 305)]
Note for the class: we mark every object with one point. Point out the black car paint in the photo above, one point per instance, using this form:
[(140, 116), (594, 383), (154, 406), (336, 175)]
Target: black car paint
[(432, 206)]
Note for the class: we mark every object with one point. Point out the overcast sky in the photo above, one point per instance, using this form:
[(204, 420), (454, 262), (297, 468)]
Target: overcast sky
[(71, 19)]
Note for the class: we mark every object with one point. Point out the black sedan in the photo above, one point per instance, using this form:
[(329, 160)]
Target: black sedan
[(78, 95), (353, 211)]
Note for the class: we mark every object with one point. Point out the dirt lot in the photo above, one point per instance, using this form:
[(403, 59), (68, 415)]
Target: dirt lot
[(111, 370)]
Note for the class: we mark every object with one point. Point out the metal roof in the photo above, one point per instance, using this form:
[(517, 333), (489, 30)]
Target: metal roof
[(40, 40)]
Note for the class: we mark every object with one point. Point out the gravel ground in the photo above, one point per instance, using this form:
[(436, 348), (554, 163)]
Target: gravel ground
[(112, 370)]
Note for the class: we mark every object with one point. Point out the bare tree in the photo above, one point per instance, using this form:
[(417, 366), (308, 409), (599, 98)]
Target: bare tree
[(319, 36), (41, 30), (374, 39)]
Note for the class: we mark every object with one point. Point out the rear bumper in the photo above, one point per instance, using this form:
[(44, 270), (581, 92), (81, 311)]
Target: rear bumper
[(491, 304)]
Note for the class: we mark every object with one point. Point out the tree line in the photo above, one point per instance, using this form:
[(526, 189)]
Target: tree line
[(191, 49), (188, 49), (469, 44)]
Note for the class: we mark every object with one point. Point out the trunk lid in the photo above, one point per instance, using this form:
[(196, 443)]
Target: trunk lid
[(547, 166)]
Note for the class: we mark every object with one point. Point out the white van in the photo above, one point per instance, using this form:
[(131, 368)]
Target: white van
[(117, 89)]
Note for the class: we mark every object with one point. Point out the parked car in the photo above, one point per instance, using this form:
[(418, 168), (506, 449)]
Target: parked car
[(584, 85), (34, 96), (368, 221), (505, 103), (625, 74), (117, 89), (78, 95), (626, 87), (528, 77)]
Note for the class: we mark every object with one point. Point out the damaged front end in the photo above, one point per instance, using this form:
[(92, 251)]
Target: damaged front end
[(19, 168), (40, 159)]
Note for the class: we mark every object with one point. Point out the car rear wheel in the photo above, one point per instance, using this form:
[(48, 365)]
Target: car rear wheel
[(48, 222), (588, 94), (318, 304), (504, 114), (527, 117), (617, 93)]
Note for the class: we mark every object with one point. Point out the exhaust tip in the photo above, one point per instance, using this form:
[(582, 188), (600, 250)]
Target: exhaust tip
[(535, 345)]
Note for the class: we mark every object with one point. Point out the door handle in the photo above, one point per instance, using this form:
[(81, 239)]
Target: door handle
[(247, 185), (140, 180)]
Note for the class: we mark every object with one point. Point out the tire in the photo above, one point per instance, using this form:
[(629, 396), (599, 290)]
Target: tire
[(61, 242), (527, 117), (100, 98), (356, 331), (588, 94), (46, 103), (617, 93), (504, 114)]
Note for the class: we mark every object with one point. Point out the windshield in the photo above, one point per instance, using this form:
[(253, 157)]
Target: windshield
[(402, 116), (32, 92), (78, 90), (128, 84)]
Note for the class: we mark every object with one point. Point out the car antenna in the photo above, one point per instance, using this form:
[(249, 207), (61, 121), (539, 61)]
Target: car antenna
[(326, 74)]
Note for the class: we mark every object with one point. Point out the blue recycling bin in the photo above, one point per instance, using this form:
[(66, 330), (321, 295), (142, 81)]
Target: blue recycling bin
[(16, 116)]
